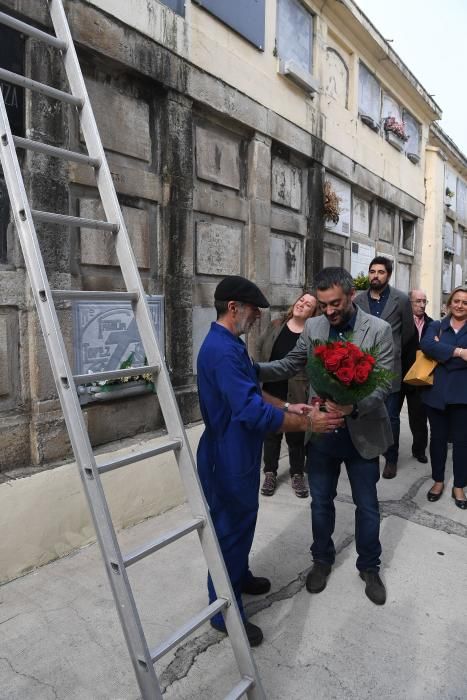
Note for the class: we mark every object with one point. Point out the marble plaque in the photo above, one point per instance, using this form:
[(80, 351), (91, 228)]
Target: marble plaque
[(123, 121), (458, 275), (218, 249), (360, 216), (105, 334), (386, 224), (403, 277), (286, 184), (286, 260), (5, 378), (360, 257), (336, 80), (447, 275), (98, 247), (450, 183), (332, 257), (218, 157)]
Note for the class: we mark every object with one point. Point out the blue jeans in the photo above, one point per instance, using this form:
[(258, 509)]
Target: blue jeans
[(394, 408), (323, 475)]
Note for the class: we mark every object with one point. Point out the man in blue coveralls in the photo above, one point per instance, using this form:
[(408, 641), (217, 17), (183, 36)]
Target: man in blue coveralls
[(237, 417)]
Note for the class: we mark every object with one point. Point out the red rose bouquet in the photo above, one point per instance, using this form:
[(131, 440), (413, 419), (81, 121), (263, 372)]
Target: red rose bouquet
[(342, 372)]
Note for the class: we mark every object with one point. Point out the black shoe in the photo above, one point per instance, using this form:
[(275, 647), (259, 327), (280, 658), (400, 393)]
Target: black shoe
[(433, 497), (257, 585), (390, 470), (253, 632), (422, 458), (374, 588), (269, 484), (460, 503), (318, 577)]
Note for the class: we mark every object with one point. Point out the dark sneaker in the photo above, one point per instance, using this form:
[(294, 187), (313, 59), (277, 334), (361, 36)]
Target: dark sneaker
[(253, 632), (269, 484), (299, 486), (374, 588), (257, 585), (420, 457), (318, 577), (390, 470)]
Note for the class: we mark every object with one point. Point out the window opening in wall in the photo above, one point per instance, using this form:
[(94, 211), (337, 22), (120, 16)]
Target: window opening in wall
[(245, 17), (407, 234), (369, 98), (177, 6), (295, 43), (412, 130)]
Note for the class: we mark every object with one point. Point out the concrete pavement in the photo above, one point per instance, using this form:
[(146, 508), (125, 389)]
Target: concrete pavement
[(60, 638)]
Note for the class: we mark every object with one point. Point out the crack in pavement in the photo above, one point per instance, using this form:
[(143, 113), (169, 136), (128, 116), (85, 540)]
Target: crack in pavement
[(186, 654), (29, 677)]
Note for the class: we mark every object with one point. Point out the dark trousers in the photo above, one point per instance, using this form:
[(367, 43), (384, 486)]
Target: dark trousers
[(393, 406), (417, 418), (449, 425), (323, 475), (272, 450)]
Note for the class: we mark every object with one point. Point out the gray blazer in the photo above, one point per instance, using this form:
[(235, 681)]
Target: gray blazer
[(371, 431), (398, 313)]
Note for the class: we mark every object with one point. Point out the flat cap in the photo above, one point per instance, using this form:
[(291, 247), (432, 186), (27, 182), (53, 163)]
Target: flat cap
[(236, 288)]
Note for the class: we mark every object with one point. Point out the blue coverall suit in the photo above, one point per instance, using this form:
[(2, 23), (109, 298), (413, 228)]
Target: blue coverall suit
[(229, 453)]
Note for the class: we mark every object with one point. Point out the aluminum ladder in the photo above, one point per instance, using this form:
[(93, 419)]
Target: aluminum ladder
[(116, 561)]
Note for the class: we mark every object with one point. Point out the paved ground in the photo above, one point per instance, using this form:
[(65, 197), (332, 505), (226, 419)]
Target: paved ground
[(60, 638)]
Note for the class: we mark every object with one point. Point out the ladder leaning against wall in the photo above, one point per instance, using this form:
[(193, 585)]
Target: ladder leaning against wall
[(116, 562)]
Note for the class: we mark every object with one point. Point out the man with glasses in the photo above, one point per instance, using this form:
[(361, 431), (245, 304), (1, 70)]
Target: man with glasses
[(415, 406)]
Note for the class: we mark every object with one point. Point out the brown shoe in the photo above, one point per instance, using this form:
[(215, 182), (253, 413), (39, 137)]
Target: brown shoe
[(299, 486), (390, 470), (269, 484)]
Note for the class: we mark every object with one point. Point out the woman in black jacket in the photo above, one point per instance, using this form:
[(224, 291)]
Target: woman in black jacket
[(446, 400)]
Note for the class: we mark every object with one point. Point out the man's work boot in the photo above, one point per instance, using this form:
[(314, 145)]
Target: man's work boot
[(374, 588), (256, 585), (390, 470), (318, 577), (253, 632)]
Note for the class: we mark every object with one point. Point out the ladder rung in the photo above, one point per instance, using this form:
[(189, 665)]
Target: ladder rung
[(133, 457), (39, 147), (21, 80), (77, 221), (240, 689), (14, 23), (188, 628), (76, 294), (162, 541), (114, 374)]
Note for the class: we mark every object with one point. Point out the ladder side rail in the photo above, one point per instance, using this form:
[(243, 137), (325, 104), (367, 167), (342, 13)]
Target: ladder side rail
[(79, 438), (165, 393)]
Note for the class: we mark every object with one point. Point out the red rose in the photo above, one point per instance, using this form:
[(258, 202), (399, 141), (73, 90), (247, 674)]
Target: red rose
[(334, 358), (320, 350), (355, 352), (363, 371), (370, 359), (345, 375)]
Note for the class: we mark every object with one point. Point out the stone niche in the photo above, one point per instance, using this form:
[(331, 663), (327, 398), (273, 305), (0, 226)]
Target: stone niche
[(218, 157), (9, 357), (286, 184), (129, 134), (287, 260), (218, 248), (98, 247)]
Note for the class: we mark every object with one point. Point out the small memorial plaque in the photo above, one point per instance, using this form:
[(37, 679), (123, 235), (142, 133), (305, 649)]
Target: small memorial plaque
[(105, 334)]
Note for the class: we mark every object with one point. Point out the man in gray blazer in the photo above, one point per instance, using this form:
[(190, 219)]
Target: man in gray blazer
[(392, 305), (366, 434)]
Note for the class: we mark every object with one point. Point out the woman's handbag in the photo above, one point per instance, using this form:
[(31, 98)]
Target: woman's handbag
[(421, 372)]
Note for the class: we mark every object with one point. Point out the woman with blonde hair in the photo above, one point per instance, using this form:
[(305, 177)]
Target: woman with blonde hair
[(446, 401), (278, 339)]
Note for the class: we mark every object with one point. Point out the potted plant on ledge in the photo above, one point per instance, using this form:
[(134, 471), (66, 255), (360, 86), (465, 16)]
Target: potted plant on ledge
[(395, 133), (449, 195)]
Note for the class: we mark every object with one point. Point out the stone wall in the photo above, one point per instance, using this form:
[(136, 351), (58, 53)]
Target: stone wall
[(210, 182)]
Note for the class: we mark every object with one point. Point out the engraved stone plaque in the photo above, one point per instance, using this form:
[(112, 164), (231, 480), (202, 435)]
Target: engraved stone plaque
[(218, 249), (287, 265), (360, 216), (286, 184), (98, 247), (202, 319), (105, 334), (360, 257), (218, 157)]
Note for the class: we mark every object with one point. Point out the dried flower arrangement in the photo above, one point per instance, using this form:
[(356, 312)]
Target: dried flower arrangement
[(331, 203), (397, 128)]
